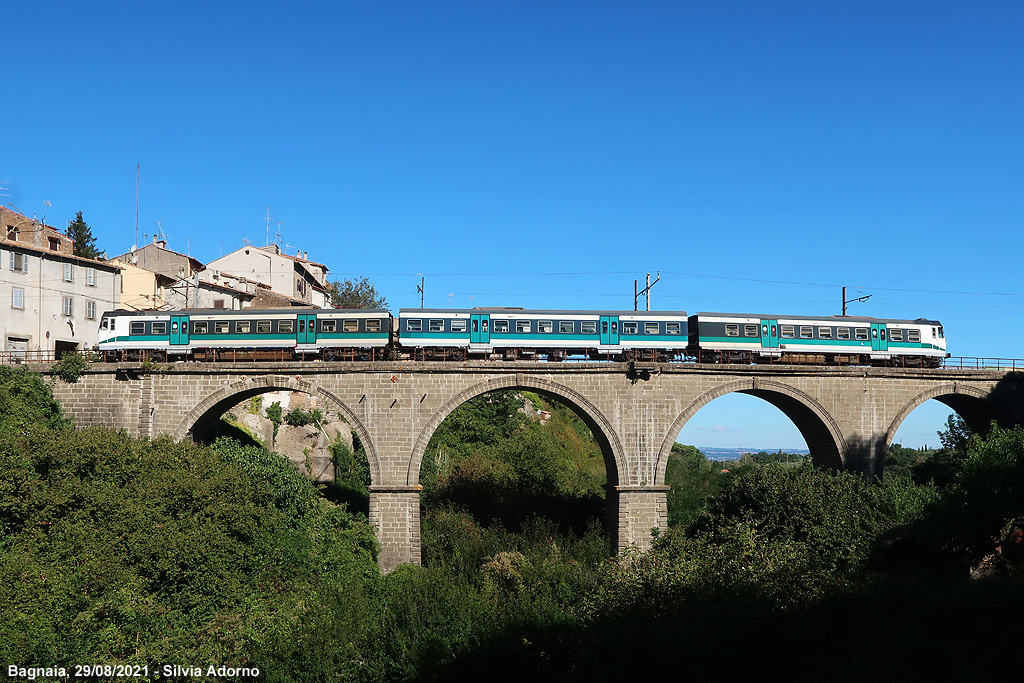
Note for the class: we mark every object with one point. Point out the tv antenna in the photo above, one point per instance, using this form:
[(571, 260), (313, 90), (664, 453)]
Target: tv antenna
[(160, 231)]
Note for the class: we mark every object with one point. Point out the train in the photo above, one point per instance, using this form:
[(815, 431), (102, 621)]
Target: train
[(518, 334)]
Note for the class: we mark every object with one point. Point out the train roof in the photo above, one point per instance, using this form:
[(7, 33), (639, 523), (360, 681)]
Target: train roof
[(530, 311), (251, 311), (838, 319)]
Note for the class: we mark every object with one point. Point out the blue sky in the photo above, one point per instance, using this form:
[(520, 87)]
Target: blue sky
[(546, 154)]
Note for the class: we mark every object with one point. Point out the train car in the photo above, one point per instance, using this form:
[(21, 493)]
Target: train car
[(834, 340), (272, 334), (516, 333)]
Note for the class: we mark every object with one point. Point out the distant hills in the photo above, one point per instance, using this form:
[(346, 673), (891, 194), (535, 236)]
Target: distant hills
[(712, 453)]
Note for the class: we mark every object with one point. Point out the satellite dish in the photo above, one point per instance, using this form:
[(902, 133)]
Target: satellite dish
[(133, 248), (135, 259)]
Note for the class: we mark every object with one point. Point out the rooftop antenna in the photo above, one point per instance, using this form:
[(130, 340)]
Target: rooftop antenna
[(268, 224), (46, 202), (138, 171), (160, 231), (277, 235)]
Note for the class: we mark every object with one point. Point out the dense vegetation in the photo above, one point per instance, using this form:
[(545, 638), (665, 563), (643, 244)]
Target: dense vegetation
[(120, 550)]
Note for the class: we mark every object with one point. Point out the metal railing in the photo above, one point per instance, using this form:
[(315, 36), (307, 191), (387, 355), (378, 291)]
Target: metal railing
[(19, 357), (965, 363)]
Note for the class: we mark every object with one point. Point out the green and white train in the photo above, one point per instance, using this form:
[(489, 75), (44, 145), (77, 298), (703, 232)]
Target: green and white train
[(797, 339), (519, 334)]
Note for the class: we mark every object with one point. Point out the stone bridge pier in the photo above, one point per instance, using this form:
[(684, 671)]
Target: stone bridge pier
[(848, 416)]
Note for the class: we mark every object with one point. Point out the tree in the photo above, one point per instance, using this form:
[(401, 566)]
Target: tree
[(356, 294), (85, 243)]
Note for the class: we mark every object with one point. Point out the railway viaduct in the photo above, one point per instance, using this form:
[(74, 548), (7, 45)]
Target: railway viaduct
[(847, 415)]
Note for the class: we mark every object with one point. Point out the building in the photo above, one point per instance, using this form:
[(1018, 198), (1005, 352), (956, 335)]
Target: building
[(51, 301), (296, 278), (157, 258)]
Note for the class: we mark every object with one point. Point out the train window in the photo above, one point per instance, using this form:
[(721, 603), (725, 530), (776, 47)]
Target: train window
[(414, 325), (263, 327), (940, 333), (200, 327), (286, 326), (824, 333), (588, 327), (459, 325), (677, 328), (174, 327), (159, 328), (545, 326), (750, 330), (882, 332), (373, 326), (350, 325), (241, 327), (302, 326), (629, 328), (435, 325), (103, 324), (500, 326), (874, 333), (860, 333), (843, 333), (806, 332), (914, 336), (522, 326), (222, 327), (652, 328), (788, 331), (565, 327), (732, 330), (137, 328), (328, 325), (935, 333), (895, 335)]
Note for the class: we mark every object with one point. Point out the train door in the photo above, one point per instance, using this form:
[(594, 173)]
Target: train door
[(479, 328), (769, 334), (609, 330), (879, 340), (305, 330), (179, 330)]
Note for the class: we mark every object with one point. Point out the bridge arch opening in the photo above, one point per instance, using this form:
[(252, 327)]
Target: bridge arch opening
[(535, 461), (786, 418), (913, 445), (201, 422)]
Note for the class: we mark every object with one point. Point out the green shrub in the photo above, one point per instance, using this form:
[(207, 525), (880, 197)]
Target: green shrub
[(70, 367)]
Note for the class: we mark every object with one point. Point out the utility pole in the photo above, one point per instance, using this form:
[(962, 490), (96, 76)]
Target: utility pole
[(646, 292), (852, 301), (421, 288)]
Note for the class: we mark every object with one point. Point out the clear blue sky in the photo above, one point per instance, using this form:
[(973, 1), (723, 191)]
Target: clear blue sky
[(546, 154)]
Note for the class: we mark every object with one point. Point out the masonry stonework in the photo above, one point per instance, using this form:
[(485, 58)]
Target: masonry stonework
[(848, 416)]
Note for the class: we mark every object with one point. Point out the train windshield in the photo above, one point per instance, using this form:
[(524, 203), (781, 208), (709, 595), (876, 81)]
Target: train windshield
[(103, 323)]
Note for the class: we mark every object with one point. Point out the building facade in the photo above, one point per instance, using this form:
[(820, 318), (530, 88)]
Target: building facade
[(51, 301), (294, 277)]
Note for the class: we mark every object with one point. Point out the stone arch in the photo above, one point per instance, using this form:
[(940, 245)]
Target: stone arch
[(816, 425), (245, 387), (598, 423), (972, 403)]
